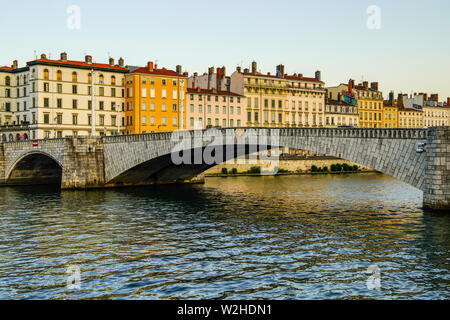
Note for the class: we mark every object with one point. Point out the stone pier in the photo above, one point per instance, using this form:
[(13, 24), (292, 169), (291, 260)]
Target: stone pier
[(436, 194)]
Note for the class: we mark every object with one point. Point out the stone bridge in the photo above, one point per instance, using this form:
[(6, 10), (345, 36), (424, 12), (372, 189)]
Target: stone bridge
[(180, 157)]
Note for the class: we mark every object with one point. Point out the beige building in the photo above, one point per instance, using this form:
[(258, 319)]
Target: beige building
[(436, 113), (280, 100), (340, 114), (54, 97), (214, 108)]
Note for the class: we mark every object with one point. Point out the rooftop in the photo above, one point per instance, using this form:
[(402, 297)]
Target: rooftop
[(212, 92)]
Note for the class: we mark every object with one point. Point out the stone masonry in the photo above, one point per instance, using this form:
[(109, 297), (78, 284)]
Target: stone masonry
[(146, 159)]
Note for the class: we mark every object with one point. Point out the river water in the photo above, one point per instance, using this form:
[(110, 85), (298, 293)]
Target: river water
[(290, 237)]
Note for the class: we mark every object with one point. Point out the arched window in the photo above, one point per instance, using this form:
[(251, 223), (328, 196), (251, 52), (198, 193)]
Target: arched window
[(113, 80), (101, 79), (46, 74), (74, 77), (89, 78), (11, 137), (59, 75), (7, 81)]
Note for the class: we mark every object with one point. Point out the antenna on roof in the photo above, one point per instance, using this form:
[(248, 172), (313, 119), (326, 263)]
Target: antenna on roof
[(35, 54)]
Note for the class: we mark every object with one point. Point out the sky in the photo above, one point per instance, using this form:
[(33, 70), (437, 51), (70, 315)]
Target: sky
[(404, 45)]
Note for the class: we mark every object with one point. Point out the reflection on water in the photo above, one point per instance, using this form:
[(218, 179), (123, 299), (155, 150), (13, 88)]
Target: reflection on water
[(291, 237)]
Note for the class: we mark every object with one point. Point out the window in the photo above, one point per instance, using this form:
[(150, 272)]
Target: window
[(152, 120), (74, 89), (59, 88), (101, 79), (163, 121), (174, 94), (191, 108), (174, 82), (102, 120), (144, 92), (102, 105), (174, 107), (59, 118), (113, 120), (74, 119), (164, 107), (174, 121), (46, 87), (74, 77), (59, 75), (163, 81), (45, 75), (101, 91), (152, 106), (59, 103), (113, 106), (89, 78), (152, 92), (46, 102), (144, 120), (113, 80), (74, 104), (144, 106), (46, 118), (7, 81), (113, 92), (163, 93)]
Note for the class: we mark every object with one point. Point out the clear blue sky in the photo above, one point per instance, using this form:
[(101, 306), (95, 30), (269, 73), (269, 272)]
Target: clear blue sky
[(409, 53)]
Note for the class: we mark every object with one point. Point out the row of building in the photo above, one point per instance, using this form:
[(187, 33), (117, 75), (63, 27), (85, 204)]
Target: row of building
[(57, 98)]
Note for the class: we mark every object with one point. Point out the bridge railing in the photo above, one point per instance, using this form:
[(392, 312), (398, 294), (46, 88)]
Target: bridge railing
[(375, 133)]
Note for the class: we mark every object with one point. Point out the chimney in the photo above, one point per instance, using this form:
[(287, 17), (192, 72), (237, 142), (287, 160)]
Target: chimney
[(15, 64), (43, 56), (219, 73), (425, 97), (111, 62), (391, 98), (448, 101), (246, 70), (179, 69), (121, 62), (63, 56), (254, 67), (238, 69), (366, 85), (211, 70), (185, 74), (318, 75), (351, 85), (224, 71), (210, 73), (435, 97), (280, 71), (374, 86), (400, 100), (150, 66), (88, 59)]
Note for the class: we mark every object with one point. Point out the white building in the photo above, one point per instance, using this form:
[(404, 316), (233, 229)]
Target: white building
[(54, 97)]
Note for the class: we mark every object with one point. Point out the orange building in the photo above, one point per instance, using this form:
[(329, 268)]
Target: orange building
[(155, 99)]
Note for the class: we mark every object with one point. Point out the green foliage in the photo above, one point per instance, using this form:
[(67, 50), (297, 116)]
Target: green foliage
[(355, 168), (283, 171), (224, 171), (325, 169), (314, 168), (234, 171), (255, 170)]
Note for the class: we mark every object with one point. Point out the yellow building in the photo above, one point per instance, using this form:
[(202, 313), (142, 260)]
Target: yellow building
[(155, 99), (390, 116), (370, 105), (281, 100)]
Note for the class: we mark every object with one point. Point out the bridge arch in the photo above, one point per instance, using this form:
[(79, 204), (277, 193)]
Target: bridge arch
[(35, 167), (149, 156)]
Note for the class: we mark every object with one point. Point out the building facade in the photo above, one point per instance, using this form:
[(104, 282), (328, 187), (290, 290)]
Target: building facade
[(155, 100), (214, 108), (340, 114), (55, 97), (280, 100)]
